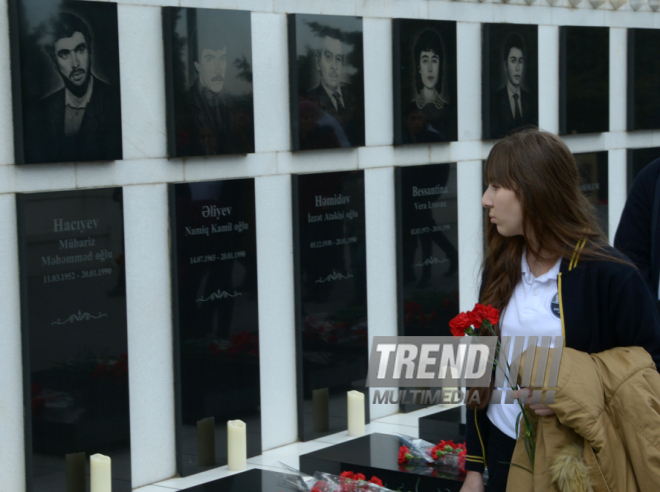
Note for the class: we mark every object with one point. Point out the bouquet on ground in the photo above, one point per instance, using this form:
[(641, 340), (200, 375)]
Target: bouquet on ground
[(415, 452), (486, 317), (348, 481)]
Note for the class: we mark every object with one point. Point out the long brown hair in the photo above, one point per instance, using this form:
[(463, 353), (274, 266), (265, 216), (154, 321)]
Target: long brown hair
[(538, 167)]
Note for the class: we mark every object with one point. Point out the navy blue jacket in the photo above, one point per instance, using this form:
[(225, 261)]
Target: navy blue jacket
[(633, 236), (603, 305)]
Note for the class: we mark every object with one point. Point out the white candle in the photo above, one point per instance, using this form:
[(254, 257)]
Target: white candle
[(355, 413), (101, 473), (236, 445)]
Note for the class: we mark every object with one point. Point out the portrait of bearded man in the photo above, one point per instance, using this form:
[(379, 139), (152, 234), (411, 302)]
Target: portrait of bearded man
[(81, 120)]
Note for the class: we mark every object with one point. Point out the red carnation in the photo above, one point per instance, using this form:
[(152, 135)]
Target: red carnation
[(376, 480), (459, 324), (359, 476), (404, 455), (347, 474), (482, 312)]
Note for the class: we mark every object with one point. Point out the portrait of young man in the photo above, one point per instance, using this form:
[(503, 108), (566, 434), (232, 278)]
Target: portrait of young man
[(330, 109), (209, 72), (71, 107), (513, 88)]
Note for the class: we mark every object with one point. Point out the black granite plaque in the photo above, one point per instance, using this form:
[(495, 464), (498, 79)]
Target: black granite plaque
[(331, 297), (377, 454), (65, 51), (75, 350), (247, 481), (584, 75), (594, 183), (216, 325), (442, 426), (326, 77), (208, 78), (509, 78), (427, 249), (643, 79), (425, 98), (638, 159)]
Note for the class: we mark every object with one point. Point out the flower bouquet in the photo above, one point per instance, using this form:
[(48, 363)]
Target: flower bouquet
[(482, 320), (415, 452), (348, 481)]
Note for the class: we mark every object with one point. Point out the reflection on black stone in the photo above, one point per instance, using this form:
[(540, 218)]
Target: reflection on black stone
[(377, 454), (584, 74), (248, 481), (75, 347), (216, 317), (208, 57), (593, 183), (327, 86), (428, 238), (428, 250), (638, 159), (331, 297), (643, 79), (425, 99)]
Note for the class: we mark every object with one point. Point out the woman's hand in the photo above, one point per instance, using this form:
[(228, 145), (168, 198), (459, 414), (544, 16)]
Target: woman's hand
[(540, 409), (474, 482)]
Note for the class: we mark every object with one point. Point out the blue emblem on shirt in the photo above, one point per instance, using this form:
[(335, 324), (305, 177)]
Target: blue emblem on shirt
[(554, 306)]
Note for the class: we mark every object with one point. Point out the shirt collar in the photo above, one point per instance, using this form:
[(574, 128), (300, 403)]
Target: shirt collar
[(330, 93), (528, 276), (79, 102), (512, 90)]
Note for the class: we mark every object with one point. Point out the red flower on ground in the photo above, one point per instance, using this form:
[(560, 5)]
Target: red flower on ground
[(376, 480), (404, 454)]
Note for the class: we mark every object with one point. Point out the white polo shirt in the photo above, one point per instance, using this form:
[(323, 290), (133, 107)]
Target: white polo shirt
[(532, 311)]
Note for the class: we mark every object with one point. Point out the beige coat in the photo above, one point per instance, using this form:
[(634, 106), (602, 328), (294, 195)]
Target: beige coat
[(605, 434)]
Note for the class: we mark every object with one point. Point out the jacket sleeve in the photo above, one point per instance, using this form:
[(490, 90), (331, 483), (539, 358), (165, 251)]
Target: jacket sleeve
[(476, 439), (633, 236), (633, 314)]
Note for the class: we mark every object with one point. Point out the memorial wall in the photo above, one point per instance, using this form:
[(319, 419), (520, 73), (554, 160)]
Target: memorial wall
[(209, 208)]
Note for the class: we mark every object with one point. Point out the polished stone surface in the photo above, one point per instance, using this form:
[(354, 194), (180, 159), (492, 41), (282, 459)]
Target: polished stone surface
[(248, 481), (498, 115), (214, 286), (331, 297), (442, 426), (643, 79), (377, 454), (638, 159), (584, 74), (75, 349), (425, 104), (427, 251), (216, 116), (326, 93), (593, 183)]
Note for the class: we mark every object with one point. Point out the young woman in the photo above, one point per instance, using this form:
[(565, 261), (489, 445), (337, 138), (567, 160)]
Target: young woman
[(550, 272)]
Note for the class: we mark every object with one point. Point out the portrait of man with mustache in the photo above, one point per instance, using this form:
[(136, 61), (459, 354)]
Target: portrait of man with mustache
[(208, 79), (209, 116), (80, 121)]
